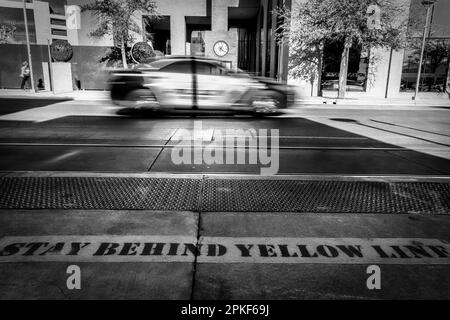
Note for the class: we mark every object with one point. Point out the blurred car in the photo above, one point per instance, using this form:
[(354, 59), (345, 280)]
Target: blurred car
[(188, 83), (352, 85)]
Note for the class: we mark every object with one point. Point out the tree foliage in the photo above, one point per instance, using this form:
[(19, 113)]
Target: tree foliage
[(312, 23), (117, 18), (7, 32)]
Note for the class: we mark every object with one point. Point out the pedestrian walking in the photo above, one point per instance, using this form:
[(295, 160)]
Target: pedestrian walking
[(24, 74)]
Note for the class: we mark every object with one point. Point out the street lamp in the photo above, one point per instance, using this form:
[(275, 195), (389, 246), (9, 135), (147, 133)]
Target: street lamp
[(25, 20), (429, 4)]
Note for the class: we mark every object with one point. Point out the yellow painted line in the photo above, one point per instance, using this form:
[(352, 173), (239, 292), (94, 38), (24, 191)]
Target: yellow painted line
[(116, 248)]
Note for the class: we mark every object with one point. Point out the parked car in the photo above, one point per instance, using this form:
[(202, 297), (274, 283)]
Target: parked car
[(194, 83), (352, 85)]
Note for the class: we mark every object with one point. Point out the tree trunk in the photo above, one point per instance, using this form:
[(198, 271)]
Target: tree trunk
[(344, 68), (122, 51)]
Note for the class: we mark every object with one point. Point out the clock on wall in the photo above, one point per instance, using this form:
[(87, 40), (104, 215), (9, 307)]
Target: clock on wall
[(221, 48)]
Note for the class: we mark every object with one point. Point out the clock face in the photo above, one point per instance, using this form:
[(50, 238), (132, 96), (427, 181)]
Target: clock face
[(221, 48)]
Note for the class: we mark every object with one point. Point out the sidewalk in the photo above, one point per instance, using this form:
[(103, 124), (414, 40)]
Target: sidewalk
[(305, 100), (373, 101), (75, 95), (146, 236)]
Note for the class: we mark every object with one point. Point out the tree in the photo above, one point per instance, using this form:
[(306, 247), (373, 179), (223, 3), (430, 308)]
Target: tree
[(7, 32), (436, 51), (311, 23), (117, 18)]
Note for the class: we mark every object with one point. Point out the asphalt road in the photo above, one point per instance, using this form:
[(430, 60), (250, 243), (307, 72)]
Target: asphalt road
[(41, 135)]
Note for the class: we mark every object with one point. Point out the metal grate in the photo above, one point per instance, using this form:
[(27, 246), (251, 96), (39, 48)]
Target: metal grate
[(99, 193), (218, 195), (325, 196)]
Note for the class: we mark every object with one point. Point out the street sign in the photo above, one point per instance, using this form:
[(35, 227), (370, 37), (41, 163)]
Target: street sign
[(73, 17), (373, 17)]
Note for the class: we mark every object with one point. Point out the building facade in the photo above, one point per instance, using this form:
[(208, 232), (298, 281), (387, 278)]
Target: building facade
[(184, 27), (194, 27), (386, 73)]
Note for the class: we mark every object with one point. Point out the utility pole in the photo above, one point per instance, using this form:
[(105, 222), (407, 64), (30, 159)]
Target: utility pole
[(30, 64), (429, 4), (50, 67)]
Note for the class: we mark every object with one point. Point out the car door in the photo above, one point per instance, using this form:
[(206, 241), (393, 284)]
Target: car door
[(216, 89), (172, 85)]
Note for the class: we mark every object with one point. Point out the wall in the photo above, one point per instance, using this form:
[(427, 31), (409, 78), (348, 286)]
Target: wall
[(219, 31), (12, 57), (88, 23), (385, 71), (62, 77), (42, 21), (178, 10), (85, 65), (87, 68), (10, 14)]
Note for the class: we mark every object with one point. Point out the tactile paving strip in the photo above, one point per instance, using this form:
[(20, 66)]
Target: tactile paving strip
[(221, 195)]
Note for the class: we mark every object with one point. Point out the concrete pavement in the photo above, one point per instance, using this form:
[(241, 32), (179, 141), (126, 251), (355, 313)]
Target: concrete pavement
[(150, 252), (127, 280), (129, 277)]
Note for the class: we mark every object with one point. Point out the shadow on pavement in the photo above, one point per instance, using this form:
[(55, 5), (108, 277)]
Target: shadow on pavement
[(143, 113), (11, 105)]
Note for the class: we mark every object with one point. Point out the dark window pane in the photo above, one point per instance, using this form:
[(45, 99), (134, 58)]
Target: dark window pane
[(57, 22), (209, 69), (178, 67), (59, 32)]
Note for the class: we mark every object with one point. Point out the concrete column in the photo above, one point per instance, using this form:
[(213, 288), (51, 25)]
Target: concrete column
[(377, 73), (385, 71), (447, 83), (72, 34), (272, 44), (284, 56), (395, 73), (264, 39), (258, 43), (219, 13), (42, 21), (177, 33)]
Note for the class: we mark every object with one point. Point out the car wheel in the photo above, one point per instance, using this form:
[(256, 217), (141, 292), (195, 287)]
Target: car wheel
[(141, 98), (266, 104)]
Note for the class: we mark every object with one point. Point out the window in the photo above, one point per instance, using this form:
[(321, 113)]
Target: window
[(58, 22), (435, 65), (59, 32), (178, 67), (209, 69)]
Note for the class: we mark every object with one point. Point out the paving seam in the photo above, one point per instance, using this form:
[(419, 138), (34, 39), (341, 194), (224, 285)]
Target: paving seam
[(197, 244), (160, 151)]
